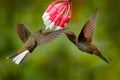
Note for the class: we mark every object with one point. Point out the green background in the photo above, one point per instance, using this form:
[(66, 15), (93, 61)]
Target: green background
[(60, 59)]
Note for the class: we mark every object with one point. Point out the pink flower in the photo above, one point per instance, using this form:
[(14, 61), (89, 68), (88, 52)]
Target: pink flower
[(57, 14)]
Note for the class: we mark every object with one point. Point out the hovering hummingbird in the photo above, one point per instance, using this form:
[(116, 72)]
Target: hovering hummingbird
[(83, 42), (31, 41)]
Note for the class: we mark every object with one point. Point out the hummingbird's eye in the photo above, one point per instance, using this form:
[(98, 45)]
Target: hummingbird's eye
[(40, 31)]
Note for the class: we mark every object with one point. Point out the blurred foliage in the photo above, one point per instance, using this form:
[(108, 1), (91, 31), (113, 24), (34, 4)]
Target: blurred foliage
[(60, 59)]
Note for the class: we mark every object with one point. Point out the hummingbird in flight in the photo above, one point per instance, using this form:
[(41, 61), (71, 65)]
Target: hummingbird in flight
[(83, 42), (31, 41)]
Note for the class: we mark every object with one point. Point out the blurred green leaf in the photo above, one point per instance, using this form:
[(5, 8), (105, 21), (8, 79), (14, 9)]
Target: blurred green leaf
[(60, 59)]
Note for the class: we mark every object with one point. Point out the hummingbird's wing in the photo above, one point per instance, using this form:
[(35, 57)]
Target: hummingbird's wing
[(23, 32), (49, 36), (71, 36), (88, 29)]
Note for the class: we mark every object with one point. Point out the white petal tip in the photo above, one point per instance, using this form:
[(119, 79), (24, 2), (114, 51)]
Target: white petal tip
[(46, 18), (58, 27), (46, 27), (47, 22), (51, 26), (45, 15)]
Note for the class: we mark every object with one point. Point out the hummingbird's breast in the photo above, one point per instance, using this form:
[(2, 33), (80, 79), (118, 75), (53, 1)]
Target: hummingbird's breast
[(30, 44)]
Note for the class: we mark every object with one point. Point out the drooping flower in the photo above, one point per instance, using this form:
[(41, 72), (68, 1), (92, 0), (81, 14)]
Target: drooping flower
[(57, 14)]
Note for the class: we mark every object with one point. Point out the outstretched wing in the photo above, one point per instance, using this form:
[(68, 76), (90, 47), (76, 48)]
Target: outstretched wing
[(88, 29), (23, 32), (71, 36), (49, 36)]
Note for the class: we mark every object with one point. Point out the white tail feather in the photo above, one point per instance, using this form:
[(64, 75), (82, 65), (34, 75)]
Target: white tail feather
[(19, 58)]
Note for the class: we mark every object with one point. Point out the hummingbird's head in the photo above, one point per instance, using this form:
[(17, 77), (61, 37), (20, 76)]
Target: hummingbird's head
[(39, 31), (71, 36)]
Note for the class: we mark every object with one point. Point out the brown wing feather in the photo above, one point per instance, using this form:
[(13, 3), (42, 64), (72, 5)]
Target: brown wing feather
[(23, 32), (49, 36), (88, 29)]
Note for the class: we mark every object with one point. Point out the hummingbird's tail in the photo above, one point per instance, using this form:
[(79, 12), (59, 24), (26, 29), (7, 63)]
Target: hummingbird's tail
[(102, 57), (18, 57)]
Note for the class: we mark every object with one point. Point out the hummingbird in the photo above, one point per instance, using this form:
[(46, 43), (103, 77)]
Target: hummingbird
[(31, 41), (83, 42)]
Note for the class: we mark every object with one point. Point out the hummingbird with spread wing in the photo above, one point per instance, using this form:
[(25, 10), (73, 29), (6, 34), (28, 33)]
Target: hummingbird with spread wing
[(31, 41), (83, 42)]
